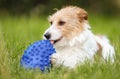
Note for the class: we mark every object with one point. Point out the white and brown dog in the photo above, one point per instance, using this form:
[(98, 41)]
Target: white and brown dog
[(73, 40)]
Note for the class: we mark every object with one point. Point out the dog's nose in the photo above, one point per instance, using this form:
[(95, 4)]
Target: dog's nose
[(47, 35)]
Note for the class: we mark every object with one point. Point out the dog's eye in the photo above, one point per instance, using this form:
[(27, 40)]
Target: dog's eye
[(51, 22), (61, 23)]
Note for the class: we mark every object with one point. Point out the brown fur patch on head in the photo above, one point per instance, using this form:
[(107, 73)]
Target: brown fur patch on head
[(73, 18)]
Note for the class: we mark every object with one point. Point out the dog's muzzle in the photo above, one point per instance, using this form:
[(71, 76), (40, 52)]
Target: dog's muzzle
[(47, 35)]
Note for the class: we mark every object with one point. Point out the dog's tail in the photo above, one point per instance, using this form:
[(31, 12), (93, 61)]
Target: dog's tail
[(107, 50)]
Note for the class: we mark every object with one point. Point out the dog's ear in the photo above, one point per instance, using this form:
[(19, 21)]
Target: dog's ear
[(82, 15)]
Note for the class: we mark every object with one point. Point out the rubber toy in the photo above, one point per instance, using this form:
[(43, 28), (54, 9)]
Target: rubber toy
[(37, 55)]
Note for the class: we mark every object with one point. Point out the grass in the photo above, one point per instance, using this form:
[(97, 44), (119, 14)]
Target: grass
[(16, 33)]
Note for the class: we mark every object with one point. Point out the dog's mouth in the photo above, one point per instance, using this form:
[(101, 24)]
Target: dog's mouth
[(55, 41)]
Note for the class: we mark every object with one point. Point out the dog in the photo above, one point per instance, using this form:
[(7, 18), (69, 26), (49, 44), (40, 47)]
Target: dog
[(71, 35)]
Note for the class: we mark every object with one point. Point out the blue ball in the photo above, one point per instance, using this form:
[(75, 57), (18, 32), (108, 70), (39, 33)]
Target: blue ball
[(37, 55)]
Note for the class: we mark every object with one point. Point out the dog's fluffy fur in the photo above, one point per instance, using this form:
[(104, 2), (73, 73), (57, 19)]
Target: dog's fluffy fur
[(73, 40)]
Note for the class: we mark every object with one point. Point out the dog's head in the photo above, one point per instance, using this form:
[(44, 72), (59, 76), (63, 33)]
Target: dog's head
[(65, 24)]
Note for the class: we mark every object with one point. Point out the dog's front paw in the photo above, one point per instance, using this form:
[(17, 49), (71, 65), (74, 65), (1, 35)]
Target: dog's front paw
[(54, 58)]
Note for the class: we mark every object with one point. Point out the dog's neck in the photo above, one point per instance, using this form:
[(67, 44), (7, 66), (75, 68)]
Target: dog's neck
[(76, 42), (80, 39)]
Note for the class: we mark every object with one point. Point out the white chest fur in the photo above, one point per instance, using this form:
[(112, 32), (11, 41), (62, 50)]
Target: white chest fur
[(76, 51)]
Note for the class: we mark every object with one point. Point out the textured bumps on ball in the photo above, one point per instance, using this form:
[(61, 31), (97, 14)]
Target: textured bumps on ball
[(37, 55)]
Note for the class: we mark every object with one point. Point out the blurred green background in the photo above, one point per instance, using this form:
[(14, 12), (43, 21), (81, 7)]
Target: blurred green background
[(18, 7), (23, 22)]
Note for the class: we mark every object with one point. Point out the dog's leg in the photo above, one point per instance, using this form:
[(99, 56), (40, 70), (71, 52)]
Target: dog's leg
[(56, 60), (108, 52), (53, 59)]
